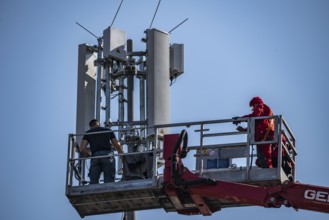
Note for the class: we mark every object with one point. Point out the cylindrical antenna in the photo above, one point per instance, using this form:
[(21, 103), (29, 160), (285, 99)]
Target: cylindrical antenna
[(178, 25), (155, 13), (116, 13), (86, 30)]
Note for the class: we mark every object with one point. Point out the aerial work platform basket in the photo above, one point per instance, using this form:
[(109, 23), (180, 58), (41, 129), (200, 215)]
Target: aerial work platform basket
[(216, 151)]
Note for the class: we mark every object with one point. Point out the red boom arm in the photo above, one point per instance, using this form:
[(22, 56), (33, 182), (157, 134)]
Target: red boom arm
[(191, 194)]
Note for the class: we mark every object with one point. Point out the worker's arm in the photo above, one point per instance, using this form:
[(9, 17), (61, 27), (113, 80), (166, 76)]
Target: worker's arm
[(117, 145), (83, 148), (257, 111)]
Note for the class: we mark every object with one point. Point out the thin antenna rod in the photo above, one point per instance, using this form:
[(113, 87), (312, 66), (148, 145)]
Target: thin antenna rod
[(86, 30), (177, 26), (116, 13), (155, 13)]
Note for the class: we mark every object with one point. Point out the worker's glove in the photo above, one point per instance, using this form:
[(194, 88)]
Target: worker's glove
[(85, 154), (241, 129), (235, 120)]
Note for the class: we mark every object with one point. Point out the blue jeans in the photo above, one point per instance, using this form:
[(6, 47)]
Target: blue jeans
[(99, 165)]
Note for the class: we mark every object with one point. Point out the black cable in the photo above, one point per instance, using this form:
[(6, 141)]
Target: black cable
[(155, 13), (116, 13), (86, 29), (177, 25)]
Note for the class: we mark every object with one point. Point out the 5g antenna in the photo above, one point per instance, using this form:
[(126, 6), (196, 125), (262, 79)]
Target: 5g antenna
[(156, 10), (177, 25), (116, 13), (86, 30)]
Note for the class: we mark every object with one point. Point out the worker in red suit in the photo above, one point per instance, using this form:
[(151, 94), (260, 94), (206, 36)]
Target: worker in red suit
[(264, 131)]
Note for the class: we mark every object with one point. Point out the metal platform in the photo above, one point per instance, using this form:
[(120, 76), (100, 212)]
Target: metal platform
[(114, 197), (145, 194)]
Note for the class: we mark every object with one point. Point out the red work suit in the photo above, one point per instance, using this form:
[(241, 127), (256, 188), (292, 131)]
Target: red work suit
[(264, 131), (286, 164)]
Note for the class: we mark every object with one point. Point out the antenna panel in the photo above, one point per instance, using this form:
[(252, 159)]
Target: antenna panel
[(176, 60), (114, 43), (86, 88), (158, 78)]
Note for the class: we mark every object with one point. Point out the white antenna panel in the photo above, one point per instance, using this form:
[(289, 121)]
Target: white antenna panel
[(86, 88), (114, 41), (176, 60)]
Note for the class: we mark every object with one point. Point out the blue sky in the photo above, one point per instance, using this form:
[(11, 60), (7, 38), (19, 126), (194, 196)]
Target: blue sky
[(234, 50)]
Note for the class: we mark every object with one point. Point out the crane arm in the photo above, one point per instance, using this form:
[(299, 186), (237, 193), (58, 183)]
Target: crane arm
[(191, 194)]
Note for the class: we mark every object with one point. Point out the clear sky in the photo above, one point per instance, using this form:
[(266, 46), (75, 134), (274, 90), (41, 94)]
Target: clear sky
[(234, 50)]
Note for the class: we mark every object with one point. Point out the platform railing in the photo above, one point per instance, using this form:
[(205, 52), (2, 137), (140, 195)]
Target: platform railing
[(204, 136), (78, 165), (207, 130)]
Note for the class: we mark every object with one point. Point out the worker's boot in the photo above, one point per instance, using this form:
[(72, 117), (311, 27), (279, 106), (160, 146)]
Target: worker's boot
[(269, 163), (258, 163)]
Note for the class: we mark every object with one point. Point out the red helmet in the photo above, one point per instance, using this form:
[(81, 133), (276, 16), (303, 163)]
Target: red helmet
[(256, 100)]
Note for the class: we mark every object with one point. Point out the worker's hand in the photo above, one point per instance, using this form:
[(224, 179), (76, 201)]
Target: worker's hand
[(235, 120), (85, 153), (241, 129)]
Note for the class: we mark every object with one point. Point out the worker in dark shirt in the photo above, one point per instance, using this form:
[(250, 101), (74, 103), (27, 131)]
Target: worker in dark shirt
[(100, 145)]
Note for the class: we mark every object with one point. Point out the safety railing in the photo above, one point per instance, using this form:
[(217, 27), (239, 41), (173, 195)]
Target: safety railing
[(216, 144), (78, 165)]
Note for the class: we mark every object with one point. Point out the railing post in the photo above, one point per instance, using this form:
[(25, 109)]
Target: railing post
[(248, 162), (278, 121), (155, 162), (69, 170), (201, 147)]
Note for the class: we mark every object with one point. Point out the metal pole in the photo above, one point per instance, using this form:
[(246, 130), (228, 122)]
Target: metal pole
[(278, 121), (69, 170), (108, 92), (142, 97), (130, 86), (201, 148), (98, 80), (130, 99), (129, 216), (121, 102), (130, 109), (120, 117)]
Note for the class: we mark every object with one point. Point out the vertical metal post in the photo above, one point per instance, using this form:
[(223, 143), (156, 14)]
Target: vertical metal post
[(121, 100), (130, 87), (130, 108), (129, 216), (98, 80), (201, 147), (108, 87), (249, 148), (248, 161), (130, 99), (142, 97), (121, 117), (69, 171), (155, 149), (278, 122)]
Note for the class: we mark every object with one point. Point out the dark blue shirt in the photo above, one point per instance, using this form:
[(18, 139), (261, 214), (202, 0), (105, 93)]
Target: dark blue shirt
[(99, 142)]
